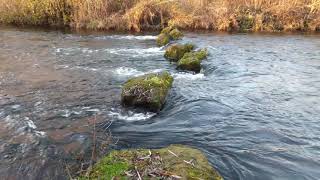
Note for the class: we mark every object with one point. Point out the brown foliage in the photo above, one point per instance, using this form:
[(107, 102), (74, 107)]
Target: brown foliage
[(137, 15)]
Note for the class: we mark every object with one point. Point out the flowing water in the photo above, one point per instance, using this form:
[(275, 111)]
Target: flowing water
[(254, 110)]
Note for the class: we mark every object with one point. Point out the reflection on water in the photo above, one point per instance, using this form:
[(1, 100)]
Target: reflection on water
[(253, 110)]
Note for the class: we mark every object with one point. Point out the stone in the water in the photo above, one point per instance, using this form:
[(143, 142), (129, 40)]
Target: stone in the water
[(167, 34), (176, 51), (147, 91), (167, 30), (191, 61), (173, 162), (163, 39), (175, 34)]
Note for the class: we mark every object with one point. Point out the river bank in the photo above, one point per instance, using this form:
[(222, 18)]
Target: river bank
[(138, 15)]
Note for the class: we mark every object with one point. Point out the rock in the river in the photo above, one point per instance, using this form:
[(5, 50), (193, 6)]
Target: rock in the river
[(167, 30), (175, 34), (147, 91), (191, 61), (163, 39), (176, 51), (168, 34), (173, 162)]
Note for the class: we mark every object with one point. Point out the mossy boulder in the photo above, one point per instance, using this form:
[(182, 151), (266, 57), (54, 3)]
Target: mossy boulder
[(192, 61), (176, 51), (175, 34), (163, 39), (147, 91), (173, 162), (167, 30), (168, 34)]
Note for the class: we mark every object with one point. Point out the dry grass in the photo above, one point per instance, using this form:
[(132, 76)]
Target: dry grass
[(137, 15)]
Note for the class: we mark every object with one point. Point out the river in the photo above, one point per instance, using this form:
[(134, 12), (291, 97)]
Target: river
[(254, 109)]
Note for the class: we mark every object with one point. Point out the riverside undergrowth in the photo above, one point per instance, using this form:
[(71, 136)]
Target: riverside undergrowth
[(139, 15)]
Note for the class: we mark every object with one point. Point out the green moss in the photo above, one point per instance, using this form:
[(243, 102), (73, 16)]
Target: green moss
[(148, 91), (171, 160), (175, 52), (163, 39), (167, 30), (175, 34), (192, 61)]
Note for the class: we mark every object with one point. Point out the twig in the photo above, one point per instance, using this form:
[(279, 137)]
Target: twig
[(146, 157), (173, 153), (189, 162), (68, 171), (138, 173)]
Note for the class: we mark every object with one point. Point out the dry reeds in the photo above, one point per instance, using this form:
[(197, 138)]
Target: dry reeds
[(137, 15)]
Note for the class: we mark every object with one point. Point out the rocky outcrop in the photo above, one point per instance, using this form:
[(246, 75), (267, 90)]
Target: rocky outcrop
[(147, 91), (176, 51), (191, 61), (173, 162)]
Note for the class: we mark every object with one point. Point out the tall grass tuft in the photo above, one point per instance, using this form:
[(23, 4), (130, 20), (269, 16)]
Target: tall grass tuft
[(137, 15)]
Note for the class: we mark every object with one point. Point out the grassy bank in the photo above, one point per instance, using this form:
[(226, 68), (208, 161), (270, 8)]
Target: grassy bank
[(138, 15)]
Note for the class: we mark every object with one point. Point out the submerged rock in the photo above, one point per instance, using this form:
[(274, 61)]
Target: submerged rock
[(147, 91), (191, 61), (163, 39), (176, 51), (173, 162)]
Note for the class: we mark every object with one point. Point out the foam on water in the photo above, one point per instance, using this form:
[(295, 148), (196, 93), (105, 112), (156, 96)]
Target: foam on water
[(128, 37), (132, 52), (130, 115), (187, 76), (127, 71), (21, 126), (136, 52)]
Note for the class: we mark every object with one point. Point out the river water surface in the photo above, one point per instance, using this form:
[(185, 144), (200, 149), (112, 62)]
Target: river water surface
[(254, 110)]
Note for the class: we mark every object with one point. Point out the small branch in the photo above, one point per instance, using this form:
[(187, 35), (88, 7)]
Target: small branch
[(138, 172), (173, 153), (68, 171)]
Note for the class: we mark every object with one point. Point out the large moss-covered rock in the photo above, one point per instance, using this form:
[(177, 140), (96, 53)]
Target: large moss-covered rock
[(168, 34), (175, 34), (192, 61), (173, 162), (147, 91), (176, 51), (167, 30), (163, 39)]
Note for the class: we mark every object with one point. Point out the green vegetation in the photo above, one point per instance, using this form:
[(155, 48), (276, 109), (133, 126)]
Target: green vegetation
[(147, 91), (176, 51), (192, 61), (166, 163), (138, 15)]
